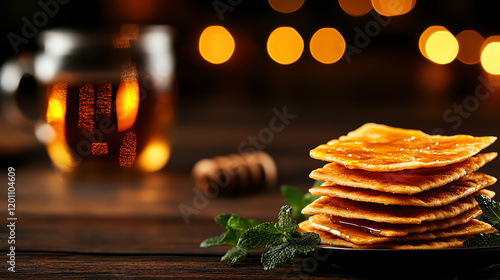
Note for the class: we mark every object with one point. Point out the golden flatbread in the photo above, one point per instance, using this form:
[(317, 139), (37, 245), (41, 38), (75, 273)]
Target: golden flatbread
[(393, 214), (385, 229), (436, 197), (329, 239), (358, 236), (402, 182), (375, 147)]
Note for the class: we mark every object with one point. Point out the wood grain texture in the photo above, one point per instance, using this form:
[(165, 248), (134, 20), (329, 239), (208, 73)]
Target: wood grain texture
[(81, 266), (118, 235)]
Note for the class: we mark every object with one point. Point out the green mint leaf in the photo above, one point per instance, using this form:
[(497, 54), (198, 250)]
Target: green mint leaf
[(483, 240), (285, 220), (212, 241), (235, 226), (283, 252), (260, 236), (237, 222), (308, 242), (490, 208), (277, 254), (308, 199), (317, 183), (253, 222), (294, 198), (232, 221), (230, 237), (222, 219), (292, 195), (234, 254)]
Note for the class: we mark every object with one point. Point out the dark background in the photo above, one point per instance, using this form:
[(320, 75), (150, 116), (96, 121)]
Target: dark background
[(219, 106)]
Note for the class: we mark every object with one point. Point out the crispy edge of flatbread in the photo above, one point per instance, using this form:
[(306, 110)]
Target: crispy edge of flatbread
[(379, 132), (329, 239), (409, 181), (393, 214), (394, 230), (432, 198), (361, 237)]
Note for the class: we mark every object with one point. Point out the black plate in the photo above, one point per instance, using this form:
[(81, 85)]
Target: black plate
[(431, 260)]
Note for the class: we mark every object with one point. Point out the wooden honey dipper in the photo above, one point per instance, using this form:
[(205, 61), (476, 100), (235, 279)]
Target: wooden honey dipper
[(235, 174)]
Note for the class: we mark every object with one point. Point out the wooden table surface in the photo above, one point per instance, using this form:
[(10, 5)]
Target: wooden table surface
[(128, 227)]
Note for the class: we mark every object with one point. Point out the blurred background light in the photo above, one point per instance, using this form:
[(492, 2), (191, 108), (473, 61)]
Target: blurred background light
[(424, 37), (285, 45), (46, 67), (327, 45), (438, 45), (286, 6), (127, 104), (356, 8), (155, 156), (469, 42), (59, 44), (53, 132), (391, 8), (56, 108), (45, 133), (490, 55), (155, 39), (216, 44), (10, 74)]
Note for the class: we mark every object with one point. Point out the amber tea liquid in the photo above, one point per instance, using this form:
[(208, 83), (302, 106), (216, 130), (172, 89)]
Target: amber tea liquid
[(103, 126)]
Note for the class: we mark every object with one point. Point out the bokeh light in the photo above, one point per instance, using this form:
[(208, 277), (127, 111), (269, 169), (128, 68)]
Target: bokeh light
[(356, 8), (154, 156), (442, 47), (56, 107), (127, 97), (391, 8), (424, 37), (286, 6), (438, 45), (53, 133), (469, 42), (216, 44), (327, 45), (285, 45), (127, 104), (490, 55)]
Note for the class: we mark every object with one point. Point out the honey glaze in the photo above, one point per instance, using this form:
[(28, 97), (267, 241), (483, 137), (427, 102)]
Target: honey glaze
[(357, 236), (376, 147), (329, 239), (364, 225), (385, 229)]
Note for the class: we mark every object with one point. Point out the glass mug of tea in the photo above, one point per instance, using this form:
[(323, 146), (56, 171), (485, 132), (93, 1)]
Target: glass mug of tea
[(105, 100)]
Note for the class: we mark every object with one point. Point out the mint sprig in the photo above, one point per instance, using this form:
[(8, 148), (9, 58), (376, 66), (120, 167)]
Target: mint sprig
[(298, 201), (235, 226), (282, 252), (234, 254), (283, 238), (261, 236), (491, 211), (483, 240)]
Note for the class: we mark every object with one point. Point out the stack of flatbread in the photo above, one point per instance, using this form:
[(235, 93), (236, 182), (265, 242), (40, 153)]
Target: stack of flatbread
[(388, 187)]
